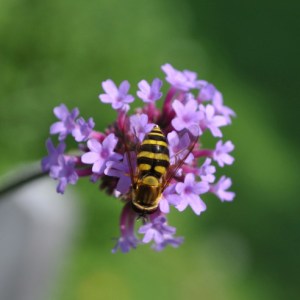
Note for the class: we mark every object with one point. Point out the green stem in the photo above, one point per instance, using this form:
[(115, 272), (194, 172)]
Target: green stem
[(19, 177)]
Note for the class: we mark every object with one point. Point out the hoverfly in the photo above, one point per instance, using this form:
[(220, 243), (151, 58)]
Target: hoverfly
[(153, 172)]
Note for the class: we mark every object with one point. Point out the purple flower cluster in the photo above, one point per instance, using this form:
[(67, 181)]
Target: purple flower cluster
[(191, 107)]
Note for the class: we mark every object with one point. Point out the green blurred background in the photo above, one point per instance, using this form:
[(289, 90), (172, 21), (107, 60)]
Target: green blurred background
[(60, 51)]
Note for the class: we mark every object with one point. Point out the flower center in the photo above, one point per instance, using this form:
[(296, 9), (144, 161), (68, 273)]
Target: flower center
[(105, 153), (188, 190), (186, 118)]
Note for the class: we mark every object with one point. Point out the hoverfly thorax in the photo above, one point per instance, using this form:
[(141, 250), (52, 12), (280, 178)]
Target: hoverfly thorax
[(152, 162)]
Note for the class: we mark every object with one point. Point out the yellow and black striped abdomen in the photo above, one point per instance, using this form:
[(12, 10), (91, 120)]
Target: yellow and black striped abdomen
[(153, 155)]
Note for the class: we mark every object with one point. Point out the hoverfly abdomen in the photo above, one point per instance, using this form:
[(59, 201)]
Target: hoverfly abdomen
[(153, 155), (152, 163)]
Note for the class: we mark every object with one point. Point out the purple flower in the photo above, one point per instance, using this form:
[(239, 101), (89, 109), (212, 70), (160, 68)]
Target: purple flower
[(186, 114), (139, 125), (220, 154), (150, 93), (210, 120), (65, 172), (221, 109), (175, 242), (127, 239), (189, 190), (118, 97), (67, 121), (160, 233), (101, 153), (221, 187), (183, 81), (207, 92), (110, 157), (83, 129), (178, 147), (125, 243), (169, 197), (122, 171), (206, 171), (53, 155), (191, 78)]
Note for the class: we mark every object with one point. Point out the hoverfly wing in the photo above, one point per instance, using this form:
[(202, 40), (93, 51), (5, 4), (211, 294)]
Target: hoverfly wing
[(185, 142), (137, 141), (188, 139), (130, 142)]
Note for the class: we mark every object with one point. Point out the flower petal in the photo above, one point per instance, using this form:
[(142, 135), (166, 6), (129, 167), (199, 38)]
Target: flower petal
[(196, 204), (90, 157)]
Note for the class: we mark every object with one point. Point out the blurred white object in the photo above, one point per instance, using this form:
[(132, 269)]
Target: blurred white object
[(36, 226)]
